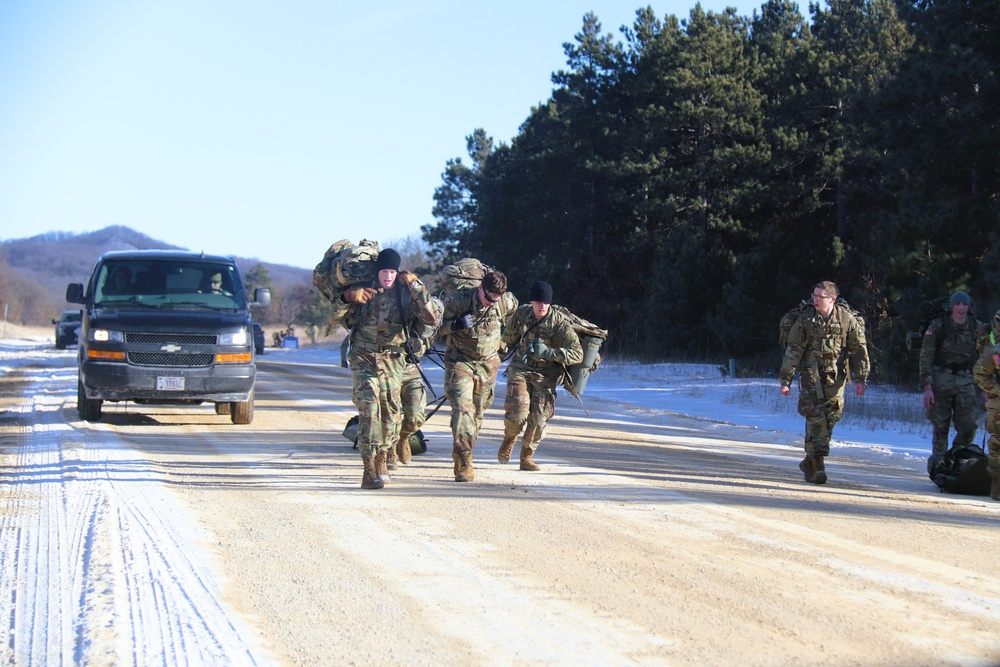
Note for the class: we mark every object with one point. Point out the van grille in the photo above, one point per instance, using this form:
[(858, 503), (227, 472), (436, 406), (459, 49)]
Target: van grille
[(165, 338), (175, 360)]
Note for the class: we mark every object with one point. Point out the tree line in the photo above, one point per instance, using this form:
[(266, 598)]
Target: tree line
[(686, 185)]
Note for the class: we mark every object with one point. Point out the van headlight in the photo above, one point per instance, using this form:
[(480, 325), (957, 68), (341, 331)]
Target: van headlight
[(237, 338), (107, 336)]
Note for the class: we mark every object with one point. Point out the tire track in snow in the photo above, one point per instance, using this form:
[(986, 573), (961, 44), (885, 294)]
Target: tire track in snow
[(96, 567)]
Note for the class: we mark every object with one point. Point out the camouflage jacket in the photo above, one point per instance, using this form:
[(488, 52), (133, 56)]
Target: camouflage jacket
[(482, 341), (950, 345), (985, 372), (827, 345), (555, 330), (381, 322)]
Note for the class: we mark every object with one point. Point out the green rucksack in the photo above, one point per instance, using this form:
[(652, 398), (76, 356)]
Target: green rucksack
[(343, 265)]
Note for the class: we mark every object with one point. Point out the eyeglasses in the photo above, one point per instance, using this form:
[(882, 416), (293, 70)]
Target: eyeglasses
[(489, 297), (821, 296)]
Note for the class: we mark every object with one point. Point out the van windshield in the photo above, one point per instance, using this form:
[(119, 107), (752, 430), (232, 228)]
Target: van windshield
[(170, 283)]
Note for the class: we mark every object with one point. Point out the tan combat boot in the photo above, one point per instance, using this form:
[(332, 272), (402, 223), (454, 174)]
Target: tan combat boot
[(403, 451), (995, 488), (506, 447), (390, 458), (464, 471), (370, 480), (526, 462), (381, 466)]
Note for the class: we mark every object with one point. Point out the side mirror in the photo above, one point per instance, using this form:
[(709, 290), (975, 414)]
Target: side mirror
[(55, 321), (74, 293), (261, 298)]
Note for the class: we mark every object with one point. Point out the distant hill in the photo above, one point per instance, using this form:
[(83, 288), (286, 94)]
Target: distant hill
[(40, 267)]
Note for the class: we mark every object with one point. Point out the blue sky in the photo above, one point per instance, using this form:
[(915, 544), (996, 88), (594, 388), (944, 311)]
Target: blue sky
[(265, 130)]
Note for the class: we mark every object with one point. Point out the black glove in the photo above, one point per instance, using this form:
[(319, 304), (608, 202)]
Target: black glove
[(464, 322)]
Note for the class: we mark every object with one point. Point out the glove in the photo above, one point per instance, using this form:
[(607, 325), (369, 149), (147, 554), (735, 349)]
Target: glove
[(358, 295), (541, 351), (407, 277), (464, 322)]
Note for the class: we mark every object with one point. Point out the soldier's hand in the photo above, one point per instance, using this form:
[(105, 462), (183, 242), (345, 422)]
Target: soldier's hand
[(928, 397), (540, 350), (407, 277), (359, 295), (859, 389), (784, 390), (464, 322)]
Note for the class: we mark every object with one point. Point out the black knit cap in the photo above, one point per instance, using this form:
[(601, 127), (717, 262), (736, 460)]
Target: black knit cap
[(541, 291), (387, 259)]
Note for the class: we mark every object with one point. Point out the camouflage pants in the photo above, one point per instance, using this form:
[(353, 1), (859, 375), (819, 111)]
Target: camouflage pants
[(993, 428), (958, 404), (376, 379), (530, 403), (413, 397), (469, 386), (821, 415)]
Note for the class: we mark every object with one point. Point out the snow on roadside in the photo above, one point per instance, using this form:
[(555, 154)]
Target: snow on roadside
[(98, 562)]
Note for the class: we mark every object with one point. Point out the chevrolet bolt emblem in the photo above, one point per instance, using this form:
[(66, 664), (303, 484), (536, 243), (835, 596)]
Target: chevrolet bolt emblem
[(171, 348)]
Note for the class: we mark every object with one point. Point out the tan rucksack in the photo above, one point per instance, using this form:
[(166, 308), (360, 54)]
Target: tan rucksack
[(343, 265)]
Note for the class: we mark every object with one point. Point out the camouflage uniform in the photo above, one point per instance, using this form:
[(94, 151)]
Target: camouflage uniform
[(471, 361), (820, 348), (947, 354), (413, 397), (377, 358), (531, 383), (987, 375)]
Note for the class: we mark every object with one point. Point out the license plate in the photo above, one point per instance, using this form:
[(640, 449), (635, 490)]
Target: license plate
[(169, 383)]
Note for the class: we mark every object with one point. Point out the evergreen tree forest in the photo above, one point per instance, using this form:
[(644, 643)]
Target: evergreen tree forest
[(691, 180)]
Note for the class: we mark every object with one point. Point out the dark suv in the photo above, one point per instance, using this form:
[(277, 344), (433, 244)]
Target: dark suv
[(166, 327), (67, 328)]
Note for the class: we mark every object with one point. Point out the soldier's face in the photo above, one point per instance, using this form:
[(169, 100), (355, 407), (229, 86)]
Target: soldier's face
[(386, 277), (540, 309), (823, 301), (959, 312)]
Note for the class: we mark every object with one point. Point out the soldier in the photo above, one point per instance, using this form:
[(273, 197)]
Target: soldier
[(412, 394), (376, 314), (947, 356), (473, 323), (986, 373), (544, 344), (825, 339)]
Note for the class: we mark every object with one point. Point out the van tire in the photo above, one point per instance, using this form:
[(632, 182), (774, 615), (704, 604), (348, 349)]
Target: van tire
[(88, 408), (243, 410)]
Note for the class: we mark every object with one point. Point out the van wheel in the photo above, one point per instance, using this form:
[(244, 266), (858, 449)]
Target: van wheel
[(223, 408), (88, 408), (243, 411)]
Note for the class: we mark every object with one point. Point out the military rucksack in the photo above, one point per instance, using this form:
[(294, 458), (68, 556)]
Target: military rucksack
[(961, 470), (343, 265), (468, 272), (937, 309), (418, 441), (789, 319), (591, 337)]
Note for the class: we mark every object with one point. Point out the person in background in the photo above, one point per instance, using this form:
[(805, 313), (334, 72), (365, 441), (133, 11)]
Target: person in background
[(986, 371), (823, 343), (949, 350)]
